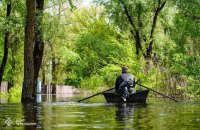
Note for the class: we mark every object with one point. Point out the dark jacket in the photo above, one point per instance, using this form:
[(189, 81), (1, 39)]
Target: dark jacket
[(123, 77)]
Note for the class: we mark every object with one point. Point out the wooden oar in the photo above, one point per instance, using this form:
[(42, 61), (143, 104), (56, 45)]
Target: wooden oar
[(96, 94), (157, 92)]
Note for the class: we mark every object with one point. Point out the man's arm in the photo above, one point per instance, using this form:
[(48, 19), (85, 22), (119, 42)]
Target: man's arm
[(118, 81), (116, 85)]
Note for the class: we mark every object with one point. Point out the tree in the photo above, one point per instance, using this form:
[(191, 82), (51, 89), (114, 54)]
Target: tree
[(27, 90), (55, 33), (6, 42), (185, 61), (39, 42), (135, 16), (13, 71)]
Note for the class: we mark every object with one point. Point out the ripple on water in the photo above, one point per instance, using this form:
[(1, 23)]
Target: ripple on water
[(160, 114), (74, 104)]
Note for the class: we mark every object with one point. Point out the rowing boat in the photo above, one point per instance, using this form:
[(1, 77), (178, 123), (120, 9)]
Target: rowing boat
[(139, 97)]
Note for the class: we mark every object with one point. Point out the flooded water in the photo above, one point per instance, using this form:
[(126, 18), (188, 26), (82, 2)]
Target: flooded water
[(65, 113)]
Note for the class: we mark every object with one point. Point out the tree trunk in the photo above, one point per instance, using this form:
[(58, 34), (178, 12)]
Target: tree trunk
[(138, 43), (39, 43), (54, 70), (54, 75), (27, 89), (6, 43), (135, 31), (30, 113), (13, 62), (43, 75), (149, 49)]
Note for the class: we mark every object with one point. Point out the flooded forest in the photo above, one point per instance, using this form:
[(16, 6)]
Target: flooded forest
[(59, 58)]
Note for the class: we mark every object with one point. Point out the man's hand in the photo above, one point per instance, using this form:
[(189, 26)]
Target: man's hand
[(137, 81)]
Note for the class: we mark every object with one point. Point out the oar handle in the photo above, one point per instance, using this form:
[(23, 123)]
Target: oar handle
[(95, 94), (158, 92)]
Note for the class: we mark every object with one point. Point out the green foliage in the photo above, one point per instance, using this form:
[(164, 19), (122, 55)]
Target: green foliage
[(102, 48), (185, 61), (90, 44), (98, 51), (73, 79), (15, 92), (15, 24), (94, 82)]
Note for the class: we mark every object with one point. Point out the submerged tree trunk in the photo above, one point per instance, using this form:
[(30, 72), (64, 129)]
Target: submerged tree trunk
[(6, 43), (31, 113), (54, 69), (43, 75), (54, 76), (27, 89), (39, 43)]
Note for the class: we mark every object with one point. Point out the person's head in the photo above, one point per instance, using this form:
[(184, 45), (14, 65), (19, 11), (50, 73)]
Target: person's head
[(124, 69)]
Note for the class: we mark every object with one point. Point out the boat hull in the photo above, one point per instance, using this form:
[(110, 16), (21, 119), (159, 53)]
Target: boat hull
[(138, 97)]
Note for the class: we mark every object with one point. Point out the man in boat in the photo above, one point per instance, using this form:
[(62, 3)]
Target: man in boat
[(125, 83)]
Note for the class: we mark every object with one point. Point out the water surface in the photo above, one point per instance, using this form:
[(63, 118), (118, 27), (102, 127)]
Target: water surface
[(65, 113)]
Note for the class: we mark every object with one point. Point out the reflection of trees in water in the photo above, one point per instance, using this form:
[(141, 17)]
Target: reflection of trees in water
[(10, 116), (31, 116)]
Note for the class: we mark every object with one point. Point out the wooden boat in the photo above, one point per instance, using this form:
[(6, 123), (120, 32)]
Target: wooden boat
[(139, 97)]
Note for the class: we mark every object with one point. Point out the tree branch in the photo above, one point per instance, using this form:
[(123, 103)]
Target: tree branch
[(128, 15), (137, 34), (156, 13)]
